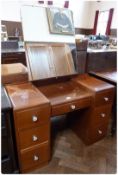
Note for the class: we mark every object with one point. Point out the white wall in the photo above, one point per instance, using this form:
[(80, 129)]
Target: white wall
[(35, 31), (83, 11), (11, 10), (101, 6), (80, 13)]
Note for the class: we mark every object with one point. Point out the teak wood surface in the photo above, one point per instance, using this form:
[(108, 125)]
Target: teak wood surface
[(83, 92), (49, 60), (14, 73), (110, 76)]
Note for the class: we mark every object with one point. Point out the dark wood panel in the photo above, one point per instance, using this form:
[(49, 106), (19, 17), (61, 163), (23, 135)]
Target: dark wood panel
[(11, 27), (113, 32), (101, 61), (89, 31), (83, 31), (16, 57)]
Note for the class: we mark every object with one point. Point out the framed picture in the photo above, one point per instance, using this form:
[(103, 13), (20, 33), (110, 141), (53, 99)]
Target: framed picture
[(60, 21)]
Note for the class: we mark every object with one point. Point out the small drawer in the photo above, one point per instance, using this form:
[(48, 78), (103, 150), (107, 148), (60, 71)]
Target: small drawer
[(33, 117), (68, 107), (100, 115), (104, 98), (31, 137), (35, 156), (97, 133)]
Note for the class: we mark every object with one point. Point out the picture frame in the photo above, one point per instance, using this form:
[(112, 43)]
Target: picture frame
[(60, 21)]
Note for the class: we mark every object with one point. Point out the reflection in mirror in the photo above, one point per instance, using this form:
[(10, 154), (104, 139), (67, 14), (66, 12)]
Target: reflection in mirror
[(49, 60)]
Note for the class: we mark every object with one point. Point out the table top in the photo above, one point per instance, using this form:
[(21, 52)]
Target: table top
[(25, 96), (13, 69), (110, 76), (61, 93)]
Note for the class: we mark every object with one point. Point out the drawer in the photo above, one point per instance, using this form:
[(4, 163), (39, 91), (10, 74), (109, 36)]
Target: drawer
[(35, 156), (97, 133), (68, 107), (31, 137), (33, 117), (100, 115), (104, 98)]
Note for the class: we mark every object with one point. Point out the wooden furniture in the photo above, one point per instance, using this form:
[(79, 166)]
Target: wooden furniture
[(66, 97), (33, 108), (32, 125), (8, 152), (81, 51), (101, 60), (50, 57), (93, 123), (10, 56), (110, 77), (14, 73)]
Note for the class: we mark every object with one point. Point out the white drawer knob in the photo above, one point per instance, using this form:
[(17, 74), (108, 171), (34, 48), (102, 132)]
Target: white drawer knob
[(36, 158), (106, 98), (34, 138), (103, 115), (99, 131), (34, 118), (73, 107)]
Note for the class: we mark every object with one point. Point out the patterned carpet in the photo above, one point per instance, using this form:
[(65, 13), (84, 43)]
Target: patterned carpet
[(71, 156)]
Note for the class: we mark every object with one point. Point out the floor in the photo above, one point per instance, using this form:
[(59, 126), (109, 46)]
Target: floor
[(71, 156)]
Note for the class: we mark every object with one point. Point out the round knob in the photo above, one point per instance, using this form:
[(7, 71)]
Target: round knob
[(36, 158), (103, 115), (34, 138), (73, 107), (99, 131), (34, 118), (106, 98)]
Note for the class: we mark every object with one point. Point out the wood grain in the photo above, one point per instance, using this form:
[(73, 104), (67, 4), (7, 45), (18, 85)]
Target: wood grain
[(45, 60)]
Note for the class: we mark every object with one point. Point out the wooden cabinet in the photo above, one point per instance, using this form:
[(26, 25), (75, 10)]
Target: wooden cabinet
[(32, 125), (101, 61), (92, 125), (13, 57), (8, 151)]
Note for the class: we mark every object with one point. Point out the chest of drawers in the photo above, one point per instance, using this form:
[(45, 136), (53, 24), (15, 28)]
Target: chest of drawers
[(32, 124), (93, 123)]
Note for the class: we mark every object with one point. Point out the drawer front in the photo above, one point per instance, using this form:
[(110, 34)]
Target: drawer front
[(31, 137), (104, 98), (97, 133), (32, 117), (34, 157), (100, 115), (68, 107)]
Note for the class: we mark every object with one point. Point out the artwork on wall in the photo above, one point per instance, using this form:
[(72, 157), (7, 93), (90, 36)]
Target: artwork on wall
[(60, 21)]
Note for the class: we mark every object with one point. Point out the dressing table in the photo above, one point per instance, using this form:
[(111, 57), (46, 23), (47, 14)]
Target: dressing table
[(54, 88)]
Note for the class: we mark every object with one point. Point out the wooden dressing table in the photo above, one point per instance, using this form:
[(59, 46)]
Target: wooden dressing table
[(49, 93), (33, 106)]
